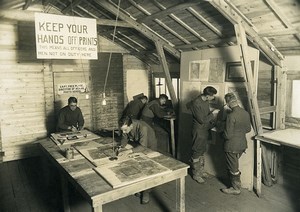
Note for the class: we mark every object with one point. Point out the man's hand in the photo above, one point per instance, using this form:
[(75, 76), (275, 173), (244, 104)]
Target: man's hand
[(74, 129), (124, 153)]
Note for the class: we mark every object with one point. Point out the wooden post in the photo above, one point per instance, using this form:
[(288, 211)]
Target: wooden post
[(163, 62), (253, 105), (281, 97)]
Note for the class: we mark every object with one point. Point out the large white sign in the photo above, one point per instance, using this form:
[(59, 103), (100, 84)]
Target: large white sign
[(65, 37)]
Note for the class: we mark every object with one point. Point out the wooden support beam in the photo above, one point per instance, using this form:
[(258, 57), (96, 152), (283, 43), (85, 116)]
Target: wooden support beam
[(27, 4), (163, 62), (20, 15), (176, 8), (139, 27), (281, 17), (281, 74), (235, 16), (246, 64), (219, 41), (71, 6)]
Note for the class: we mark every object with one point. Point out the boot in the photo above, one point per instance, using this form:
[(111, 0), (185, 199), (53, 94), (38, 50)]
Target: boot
[(197, 166), (202, 172), (236, 185)]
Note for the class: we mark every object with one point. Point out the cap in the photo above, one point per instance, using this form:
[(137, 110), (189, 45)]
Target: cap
[(230, 97)]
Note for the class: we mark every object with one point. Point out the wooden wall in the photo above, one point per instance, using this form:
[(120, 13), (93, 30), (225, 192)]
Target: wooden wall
[(28, 87)]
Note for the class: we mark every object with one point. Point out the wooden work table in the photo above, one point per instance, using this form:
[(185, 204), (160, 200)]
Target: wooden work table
[(287, 137), (97, 191)]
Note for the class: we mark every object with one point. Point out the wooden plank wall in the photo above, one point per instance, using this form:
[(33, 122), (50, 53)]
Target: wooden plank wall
[(22, 93), (29, 101)]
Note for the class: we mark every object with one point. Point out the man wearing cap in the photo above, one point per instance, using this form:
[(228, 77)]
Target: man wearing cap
[(237, 125), (203, 121), (134, 108)]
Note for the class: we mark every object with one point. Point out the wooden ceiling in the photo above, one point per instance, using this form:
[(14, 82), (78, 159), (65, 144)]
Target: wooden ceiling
[(273, 26)]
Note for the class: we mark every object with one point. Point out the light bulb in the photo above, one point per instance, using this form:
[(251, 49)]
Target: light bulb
[(104, 100)]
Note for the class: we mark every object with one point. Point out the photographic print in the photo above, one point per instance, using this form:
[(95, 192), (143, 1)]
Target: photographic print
[(199, 70)]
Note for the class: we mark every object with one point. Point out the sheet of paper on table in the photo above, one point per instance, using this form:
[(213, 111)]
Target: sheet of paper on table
[(134, 168), (64, 138)]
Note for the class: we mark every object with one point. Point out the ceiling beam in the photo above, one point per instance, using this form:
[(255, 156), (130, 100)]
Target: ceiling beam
[(170, 10), (71, 6), (235, 16), (20, 15), (281, 16), (27, 4), (279, 32), (139, 27), (215, 42)]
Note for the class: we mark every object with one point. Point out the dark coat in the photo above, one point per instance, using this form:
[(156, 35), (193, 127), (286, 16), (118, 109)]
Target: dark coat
[(202, 116), (67, 118), (237, 125)]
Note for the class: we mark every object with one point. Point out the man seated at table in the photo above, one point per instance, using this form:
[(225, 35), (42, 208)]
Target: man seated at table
[(140, 135), (70, 117)]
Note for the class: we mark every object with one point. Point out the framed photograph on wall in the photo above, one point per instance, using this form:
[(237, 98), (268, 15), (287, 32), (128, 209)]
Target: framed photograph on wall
[(234, 72), (199, 70)]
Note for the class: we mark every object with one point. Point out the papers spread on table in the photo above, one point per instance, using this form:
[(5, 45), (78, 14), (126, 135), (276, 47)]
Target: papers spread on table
[(134, 168), (63, 138)]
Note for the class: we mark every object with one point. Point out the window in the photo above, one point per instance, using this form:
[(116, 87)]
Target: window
[(161, 86)]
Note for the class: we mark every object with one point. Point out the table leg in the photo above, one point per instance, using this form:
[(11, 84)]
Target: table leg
[(258, 168), (97, 209), (65, 194), (172, 138), (180, 196)]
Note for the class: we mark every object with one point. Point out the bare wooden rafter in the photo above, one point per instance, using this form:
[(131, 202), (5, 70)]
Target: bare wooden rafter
[(159, 22), (71, 6), (139, 27), (215, 42), (281, 16), (178, 7), (235, 16), (180, 22)]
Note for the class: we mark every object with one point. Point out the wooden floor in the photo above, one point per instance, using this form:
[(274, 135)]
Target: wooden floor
[(26, 186)]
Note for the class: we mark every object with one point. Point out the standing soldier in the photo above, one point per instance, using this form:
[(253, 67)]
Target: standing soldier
[(237, 125), (203, 121)]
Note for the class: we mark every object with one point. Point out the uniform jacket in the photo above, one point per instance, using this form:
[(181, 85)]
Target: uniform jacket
[(142, 134), (202, 117), (133, 109), (154, 109), (67, 117), (237, 125)]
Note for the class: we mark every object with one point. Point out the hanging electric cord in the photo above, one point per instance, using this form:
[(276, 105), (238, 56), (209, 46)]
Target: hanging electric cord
[(109, 59)]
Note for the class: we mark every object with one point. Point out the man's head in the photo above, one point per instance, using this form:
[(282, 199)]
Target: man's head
[(162, 99), (209, 92), (231, 100), (72, 102), (143, 99), (126, 125)]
